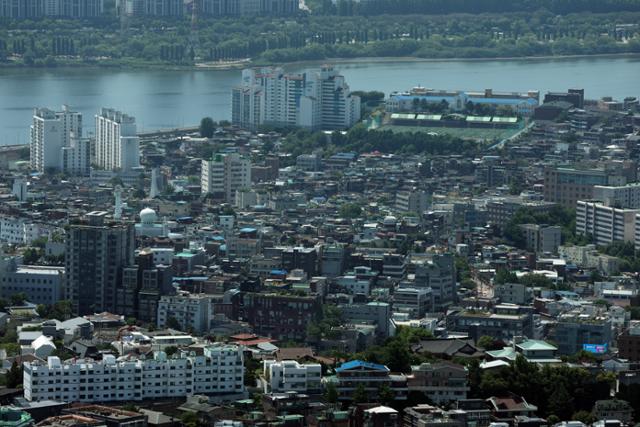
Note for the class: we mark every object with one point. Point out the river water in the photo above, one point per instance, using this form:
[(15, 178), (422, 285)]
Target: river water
[(168, 99)]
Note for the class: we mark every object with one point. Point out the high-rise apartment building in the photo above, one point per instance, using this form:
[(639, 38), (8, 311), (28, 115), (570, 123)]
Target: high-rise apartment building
[(223, 175), (313, 100), (76, 157), (51, 131), (247, 7), (33, 9), (150, 7), (96, 254), (116, 147)]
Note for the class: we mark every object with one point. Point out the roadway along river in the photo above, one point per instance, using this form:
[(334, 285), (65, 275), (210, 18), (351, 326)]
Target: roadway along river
[(167, 99)]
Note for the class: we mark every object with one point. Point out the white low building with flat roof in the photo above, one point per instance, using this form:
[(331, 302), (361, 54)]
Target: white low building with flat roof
[(289, 375), (219, 371)]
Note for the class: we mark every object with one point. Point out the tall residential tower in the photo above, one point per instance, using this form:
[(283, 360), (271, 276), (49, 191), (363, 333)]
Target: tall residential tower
[(117, 147), (51, 132)]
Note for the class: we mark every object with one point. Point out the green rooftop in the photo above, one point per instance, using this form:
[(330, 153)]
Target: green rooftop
[(536, 345), (10, 417)]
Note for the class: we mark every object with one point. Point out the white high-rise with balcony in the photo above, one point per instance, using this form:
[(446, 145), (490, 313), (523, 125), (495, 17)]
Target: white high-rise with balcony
[(51, 131), (117, 146)]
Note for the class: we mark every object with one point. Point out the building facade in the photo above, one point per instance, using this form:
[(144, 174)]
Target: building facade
[(542, 238), (34, 9), (441, 382), (96, 254), (219, 371), (606, 224), (117, 146), (50, 133), (289, 375), (40, 284), (356, 373), (191, 311), (313, 100), (225, 174), (566, 186)]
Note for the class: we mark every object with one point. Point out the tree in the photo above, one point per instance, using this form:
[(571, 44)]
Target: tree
[(561, 402), (14, 375), (386, 396), (360, 394), (18, 299), (350, 210), (191, 419), (584, 416), (207, 127), (331, 393), (172, 323), (30, 256), (171, 350), (486, 342)]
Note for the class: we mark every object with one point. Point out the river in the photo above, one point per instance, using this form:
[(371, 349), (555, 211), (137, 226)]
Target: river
[(167, 99)]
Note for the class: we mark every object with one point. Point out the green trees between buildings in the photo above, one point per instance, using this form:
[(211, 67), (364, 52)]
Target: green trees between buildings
[(207, 127), (561, 391)]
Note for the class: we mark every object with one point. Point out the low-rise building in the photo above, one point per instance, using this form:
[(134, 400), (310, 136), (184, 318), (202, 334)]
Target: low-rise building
[(542, 238), (372, 376), (289, 375), (575, 329), (191, 311), (219, 371), (441, 382)]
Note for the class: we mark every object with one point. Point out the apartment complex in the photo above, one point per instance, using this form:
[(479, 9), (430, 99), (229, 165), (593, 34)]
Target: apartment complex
[(96, 254), (225, 174), (150, 7), (34, 9), (605, 223), (623, 196), (50, 133), (219, 371), (247, 7), (116, 147), (289, 375), (313, 100)]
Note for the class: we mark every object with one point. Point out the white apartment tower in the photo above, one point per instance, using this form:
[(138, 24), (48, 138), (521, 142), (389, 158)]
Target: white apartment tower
[(51, 131), (313, 100), (117, 147), (225, 174)]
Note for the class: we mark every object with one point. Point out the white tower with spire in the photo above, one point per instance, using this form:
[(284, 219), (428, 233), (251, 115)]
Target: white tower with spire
[(155, 191)]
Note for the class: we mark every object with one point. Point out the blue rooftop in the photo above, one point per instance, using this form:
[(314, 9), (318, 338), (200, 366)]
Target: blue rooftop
[(278, 272), (360, 364), (247, 230)]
